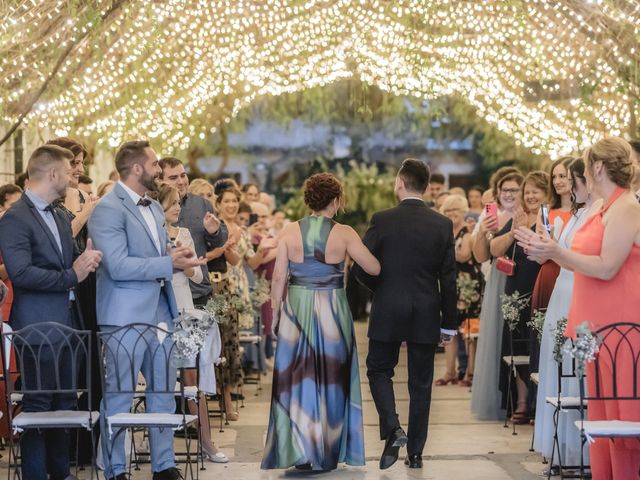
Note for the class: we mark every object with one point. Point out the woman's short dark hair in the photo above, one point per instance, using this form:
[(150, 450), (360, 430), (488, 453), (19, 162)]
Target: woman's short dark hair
[(555, 200), (415, 174), (245, 188), (509, 177), (576, 170), (6, 190), (226, 185), (244, 207), (70, 144), (320, 190), (497, 177)]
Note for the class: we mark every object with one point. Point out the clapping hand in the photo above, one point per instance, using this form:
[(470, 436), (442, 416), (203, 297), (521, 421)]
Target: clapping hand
[(538, 248), (87, 262), (520, 219), (184, 258), (211, 223), (445, 339)]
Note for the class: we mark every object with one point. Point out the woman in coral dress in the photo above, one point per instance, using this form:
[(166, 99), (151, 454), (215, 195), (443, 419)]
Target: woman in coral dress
[(605, 256)]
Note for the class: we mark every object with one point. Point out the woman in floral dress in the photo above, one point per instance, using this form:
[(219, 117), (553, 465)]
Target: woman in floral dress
[(239, 313)]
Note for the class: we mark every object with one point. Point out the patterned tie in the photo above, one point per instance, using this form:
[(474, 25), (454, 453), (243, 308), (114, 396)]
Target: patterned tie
[(144, 202)]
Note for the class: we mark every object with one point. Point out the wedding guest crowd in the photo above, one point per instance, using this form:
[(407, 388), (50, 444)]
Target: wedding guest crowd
[(565, 240)]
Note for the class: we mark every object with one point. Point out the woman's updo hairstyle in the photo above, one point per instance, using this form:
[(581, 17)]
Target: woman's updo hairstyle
[(226, 185), (164, 194), (615, 155), (320, 190)]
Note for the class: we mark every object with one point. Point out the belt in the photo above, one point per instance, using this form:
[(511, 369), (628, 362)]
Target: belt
[(216, 277)]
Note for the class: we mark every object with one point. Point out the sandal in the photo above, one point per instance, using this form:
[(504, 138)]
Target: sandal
[(520, 418), (466, 382), (446, 381), (232, 416)]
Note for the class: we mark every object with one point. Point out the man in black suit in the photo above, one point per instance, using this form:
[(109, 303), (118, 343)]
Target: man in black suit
[(414, 301), (40, 257)]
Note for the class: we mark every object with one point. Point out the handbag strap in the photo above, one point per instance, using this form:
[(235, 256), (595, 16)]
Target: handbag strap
[(513, 250)]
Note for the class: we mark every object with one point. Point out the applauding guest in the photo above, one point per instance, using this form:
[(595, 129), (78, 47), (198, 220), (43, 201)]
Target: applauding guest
[(605, 259), (42, 262), (134, 282)]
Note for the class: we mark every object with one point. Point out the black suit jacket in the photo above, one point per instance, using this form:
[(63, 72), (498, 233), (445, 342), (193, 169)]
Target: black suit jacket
[(42, 276), (415, 294)]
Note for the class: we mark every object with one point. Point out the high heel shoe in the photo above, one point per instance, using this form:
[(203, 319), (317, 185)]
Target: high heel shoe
[(232, 416), (215, 457), (446, 381)]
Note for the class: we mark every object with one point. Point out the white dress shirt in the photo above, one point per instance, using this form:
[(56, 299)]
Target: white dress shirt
[(146, 214), (445, 331)]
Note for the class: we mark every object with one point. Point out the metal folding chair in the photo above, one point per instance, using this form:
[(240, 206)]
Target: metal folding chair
[(620, 352), (119, 349), (64, 348)]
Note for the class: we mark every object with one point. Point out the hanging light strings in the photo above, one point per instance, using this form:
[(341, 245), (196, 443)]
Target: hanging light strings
[(556, 75)]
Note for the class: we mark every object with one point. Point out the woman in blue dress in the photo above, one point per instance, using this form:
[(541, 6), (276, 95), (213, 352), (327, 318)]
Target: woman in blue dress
[(316, 406)]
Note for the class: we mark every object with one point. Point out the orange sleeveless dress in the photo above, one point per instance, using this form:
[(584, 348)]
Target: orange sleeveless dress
[(601, 303)]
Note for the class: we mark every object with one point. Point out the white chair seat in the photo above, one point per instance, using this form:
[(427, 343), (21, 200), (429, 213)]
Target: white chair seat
[(149, 420), (535, 378), (190, 393), (565, 402), (610, 428), (56, 419), (518, 360)]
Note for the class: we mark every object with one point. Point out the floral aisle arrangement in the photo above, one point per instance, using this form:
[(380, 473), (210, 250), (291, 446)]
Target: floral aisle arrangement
[(243, 306), (559, 339), (218, 308), (260, 294), (467, 295), (584, 348), (467, 291), (512, 306), (537, 322), (189, 336)]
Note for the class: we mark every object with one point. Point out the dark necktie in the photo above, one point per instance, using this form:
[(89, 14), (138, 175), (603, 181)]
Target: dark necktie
[(50, 208), (144, 202)]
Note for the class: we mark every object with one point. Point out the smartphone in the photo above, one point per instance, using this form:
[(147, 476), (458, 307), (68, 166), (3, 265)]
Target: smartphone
[(545, 217), (253, 218), (492, 211)]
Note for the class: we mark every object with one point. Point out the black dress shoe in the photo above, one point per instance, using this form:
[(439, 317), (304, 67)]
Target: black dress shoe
[(413, 461), (393, 443), (169, 474), (306, 467), (122, 476)]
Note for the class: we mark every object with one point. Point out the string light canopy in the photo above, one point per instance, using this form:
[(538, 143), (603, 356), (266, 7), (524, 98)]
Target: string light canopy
[(554, 74)]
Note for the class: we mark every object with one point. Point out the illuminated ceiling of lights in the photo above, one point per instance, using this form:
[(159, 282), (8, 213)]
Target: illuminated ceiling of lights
[(553, 74)]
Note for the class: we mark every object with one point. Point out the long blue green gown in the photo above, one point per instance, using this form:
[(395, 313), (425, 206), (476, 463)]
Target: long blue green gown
[(316, 403)]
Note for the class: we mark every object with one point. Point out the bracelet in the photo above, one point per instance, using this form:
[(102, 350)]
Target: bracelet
[(489, 236)]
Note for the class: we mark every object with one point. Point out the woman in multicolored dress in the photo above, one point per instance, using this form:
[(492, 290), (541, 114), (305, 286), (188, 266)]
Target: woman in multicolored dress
[(235, 287), (316, 405)]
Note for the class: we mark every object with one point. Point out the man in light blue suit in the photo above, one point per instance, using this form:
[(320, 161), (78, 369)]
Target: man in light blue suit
[(134, 285)]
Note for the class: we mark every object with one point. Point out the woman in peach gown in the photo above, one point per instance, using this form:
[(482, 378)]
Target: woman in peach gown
[(605, 256)]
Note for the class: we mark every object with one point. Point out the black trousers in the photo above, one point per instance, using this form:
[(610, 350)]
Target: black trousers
[(381, 361), (45, 453)]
